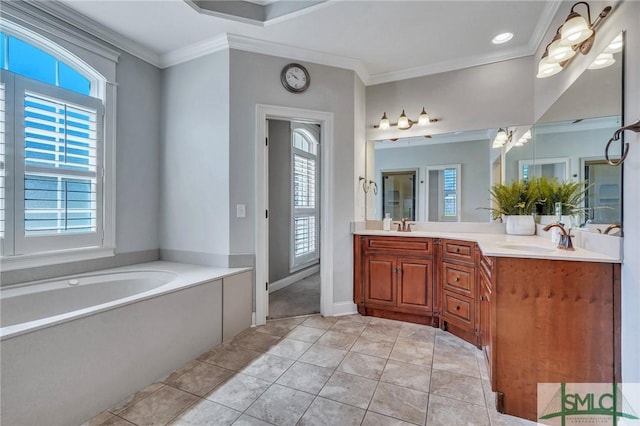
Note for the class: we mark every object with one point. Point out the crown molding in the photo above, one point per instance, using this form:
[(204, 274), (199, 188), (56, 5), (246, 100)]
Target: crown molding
[(542, 27), (194, 51), (76, 19)]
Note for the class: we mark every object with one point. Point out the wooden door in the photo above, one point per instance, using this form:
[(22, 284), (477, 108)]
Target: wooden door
[(380, 280), (415, 284)]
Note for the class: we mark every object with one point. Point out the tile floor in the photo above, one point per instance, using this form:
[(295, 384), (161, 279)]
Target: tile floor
[(339, 371)]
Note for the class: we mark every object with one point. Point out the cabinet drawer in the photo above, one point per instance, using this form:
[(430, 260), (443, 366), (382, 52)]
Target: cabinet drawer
[(459, 279), (410, 245), (461, 250), (458, 308)]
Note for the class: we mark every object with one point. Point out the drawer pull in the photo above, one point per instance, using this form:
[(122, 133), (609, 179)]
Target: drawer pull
[(457, 249), (457, 308), (456, 279)]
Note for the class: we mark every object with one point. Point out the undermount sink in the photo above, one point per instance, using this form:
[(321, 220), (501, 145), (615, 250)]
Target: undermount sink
[(527, 247)]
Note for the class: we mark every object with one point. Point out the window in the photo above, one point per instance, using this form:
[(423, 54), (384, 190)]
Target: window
[(51, 149), (304, 196), (443, 193)]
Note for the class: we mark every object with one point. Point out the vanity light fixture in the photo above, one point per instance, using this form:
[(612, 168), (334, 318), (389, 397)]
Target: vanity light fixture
[(577, 34), (502, 137), (603, 60), (523, 139), (405, 122), (616, 45)]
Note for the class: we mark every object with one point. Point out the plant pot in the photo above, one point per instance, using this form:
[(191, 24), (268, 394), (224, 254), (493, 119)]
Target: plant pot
[(520, 225)]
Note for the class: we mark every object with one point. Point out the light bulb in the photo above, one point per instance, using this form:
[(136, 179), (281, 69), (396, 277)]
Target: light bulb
[(384, 122), (575, 30), (603, 60), (546, 68), (501, 136), (403, 122), (615, 46), (424, 120), (558, 53)]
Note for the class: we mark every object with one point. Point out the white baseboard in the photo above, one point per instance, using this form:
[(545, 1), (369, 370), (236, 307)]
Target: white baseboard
[(344, 308), (295, 277)]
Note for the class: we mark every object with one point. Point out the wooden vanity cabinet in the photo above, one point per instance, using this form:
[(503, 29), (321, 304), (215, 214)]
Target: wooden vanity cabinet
[(394, 277), (548, 321), (459, 310)]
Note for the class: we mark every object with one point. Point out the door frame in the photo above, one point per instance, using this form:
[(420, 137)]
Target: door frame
[(325, 120)]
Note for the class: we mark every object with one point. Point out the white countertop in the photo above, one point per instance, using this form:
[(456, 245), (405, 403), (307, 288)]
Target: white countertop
[(503, 245)]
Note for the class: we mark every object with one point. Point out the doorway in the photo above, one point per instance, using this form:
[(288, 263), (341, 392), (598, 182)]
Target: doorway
[(325, 120), (294, 189)]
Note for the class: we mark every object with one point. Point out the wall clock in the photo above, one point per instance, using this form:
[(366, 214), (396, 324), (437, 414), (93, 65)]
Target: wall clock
[(295, 78)]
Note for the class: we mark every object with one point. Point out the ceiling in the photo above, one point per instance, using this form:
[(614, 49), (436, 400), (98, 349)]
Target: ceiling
[(381, 40)]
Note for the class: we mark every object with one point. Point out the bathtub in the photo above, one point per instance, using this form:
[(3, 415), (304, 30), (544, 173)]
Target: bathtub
[(78, 345)]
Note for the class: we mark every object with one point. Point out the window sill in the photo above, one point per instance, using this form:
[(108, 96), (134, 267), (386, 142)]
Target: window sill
[(27, 261)]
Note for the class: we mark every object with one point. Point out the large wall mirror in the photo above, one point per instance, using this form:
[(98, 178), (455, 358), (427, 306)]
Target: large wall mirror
[(569, 140), (439, 178)]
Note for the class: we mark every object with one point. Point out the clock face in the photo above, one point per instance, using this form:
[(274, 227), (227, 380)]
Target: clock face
[(295, 78)]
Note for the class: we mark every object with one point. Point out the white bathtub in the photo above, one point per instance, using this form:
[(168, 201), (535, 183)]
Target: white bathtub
[(76, 346)]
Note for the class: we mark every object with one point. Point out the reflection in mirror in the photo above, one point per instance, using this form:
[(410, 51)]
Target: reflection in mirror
[(442, 178), (569, 139)]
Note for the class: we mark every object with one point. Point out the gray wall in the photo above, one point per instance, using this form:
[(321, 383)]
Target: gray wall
[(473, 157), (255, 79), (195, 161), (279, 199)]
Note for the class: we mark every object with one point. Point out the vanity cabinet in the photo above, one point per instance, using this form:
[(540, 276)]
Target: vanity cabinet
[(459, 313), (548, 321), (486, 324), (394, 277)]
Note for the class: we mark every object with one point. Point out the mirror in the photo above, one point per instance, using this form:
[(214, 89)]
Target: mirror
[(569, 139), (439, 178)]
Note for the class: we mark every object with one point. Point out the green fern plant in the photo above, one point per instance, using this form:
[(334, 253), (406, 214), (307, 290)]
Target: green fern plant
[(570, 193), (517, 198)]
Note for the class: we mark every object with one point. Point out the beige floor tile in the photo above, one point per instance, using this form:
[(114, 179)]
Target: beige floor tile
[(123, 405), (356, 317), (230, 357), (245, 420), (417, 333), (206, 413), (386, 322), (281, 405), (362, 365), (289, 348), (418, 354), (337, 340), (159, 407), (305, 377), (256, 341), (320, 322), (323, 356), (446, 412), (489, 395), (499, 419), (99, 419), (349, 389), (381, 332), (371, 347), (456, 363), (239, 392), (375, 419), (407, 375), (201, 379), (306, 334), (277, 327), (349, 327), (457, 386), (401, 403), (117, 421), (323, 412), (268, 367), (446, 340)]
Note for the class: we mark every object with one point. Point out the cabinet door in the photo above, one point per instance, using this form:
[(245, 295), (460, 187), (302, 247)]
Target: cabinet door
[(485, 322), (415, 284), (380, 280)]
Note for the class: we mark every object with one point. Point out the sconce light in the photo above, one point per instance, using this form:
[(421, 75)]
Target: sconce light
[(576, 34), (405, 122), (606, 59), (502, 137), (523, 139)]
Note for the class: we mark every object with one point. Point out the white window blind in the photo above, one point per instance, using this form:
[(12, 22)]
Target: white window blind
[(450, 192), (60, 180)]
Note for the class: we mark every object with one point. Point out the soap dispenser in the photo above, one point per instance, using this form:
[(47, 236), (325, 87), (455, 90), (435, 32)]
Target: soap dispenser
[(386, 222)]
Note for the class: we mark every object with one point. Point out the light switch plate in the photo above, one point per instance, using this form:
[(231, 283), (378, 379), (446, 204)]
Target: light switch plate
[(241, 210)]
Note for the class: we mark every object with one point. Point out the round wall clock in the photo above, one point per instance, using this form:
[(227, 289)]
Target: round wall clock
[(295, 78)]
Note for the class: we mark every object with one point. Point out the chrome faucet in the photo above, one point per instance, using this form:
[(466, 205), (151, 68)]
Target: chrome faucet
[(611, 228), (404, 225), (565, 239)]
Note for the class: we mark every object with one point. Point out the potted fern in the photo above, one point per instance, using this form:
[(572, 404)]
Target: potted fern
[(570, 194), (516, 202)]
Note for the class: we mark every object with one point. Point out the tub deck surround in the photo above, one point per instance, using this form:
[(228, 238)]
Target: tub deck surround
[(162, 278), (62, 369), (503, 245)]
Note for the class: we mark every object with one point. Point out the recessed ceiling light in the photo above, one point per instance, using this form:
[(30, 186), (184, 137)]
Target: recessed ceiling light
[(502, 38)]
